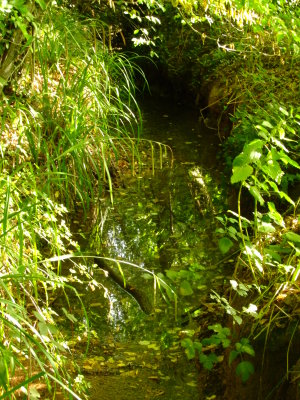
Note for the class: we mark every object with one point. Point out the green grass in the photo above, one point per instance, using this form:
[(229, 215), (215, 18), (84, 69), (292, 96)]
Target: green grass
[(73, 115)]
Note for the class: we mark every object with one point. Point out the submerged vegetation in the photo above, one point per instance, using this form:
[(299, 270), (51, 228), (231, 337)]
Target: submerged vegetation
[(71, 125)]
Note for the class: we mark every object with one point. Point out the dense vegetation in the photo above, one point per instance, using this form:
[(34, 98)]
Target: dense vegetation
[(69, 118)]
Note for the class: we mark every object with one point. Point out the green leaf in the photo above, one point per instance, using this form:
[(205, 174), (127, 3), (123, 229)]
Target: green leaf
[(41, 3), (244, 346), (71, 317), (275, 215), (287, 160), (292, 236), (266, 227), (272, 169), (225, 244), (218, 328), (226, 343), (283, 195), (233, 355), (198, 346), (185, 289), (283, 110), (172, 274), (188, 344), (256, 194), (208, 361), (240, 174), (253, 150), (267, 124), (244, 370), (240, 160)]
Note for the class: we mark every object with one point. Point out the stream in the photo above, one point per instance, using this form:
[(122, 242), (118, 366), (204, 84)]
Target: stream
[(162, 225)]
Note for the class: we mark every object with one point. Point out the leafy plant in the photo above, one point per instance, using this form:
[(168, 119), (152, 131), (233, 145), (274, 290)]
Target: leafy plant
[(210, 345)]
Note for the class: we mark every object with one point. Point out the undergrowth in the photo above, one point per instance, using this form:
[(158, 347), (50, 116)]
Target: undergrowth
[(66, 120)]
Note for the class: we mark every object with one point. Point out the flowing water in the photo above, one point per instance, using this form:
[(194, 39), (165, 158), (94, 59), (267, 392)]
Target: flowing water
[(162, 223)]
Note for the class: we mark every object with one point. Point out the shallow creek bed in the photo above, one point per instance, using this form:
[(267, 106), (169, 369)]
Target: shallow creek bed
[(161, 223)]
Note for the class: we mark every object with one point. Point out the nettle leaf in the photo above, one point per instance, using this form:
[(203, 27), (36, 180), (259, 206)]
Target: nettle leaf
[(226, 343), (273, 254), (275, 215), (256, 194), (283, 195), (244, 370), (244, 346), (185, 289), (240, 174), (211, 340), (188, 344), (273, 170), (172, 274), (225, 244), (198, 346), (208, 361), (253, 150), (292, 236), (240, 160), (218, 328), (287, 160), (266, 227)]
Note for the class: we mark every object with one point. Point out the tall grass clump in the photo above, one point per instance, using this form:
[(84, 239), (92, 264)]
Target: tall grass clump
[(82, 112), (70, 116)]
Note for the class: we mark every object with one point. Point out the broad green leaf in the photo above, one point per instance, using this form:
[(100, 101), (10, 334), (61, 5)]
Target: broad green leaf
[(292, 236), (185, 289), (171, 274), (283, 195), (208, 361), (225, 244), (240, 160), (237, 319), (214, 339), (256, 194), (188, 344), (253, 150), (287, 160), (267, 124), (273, 170), (240, 174), (226, 343), (244, 370), (275, 215), (198, 346), (245, 347), (274, 254), (266, 227), (218, 328), (233, 355)]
